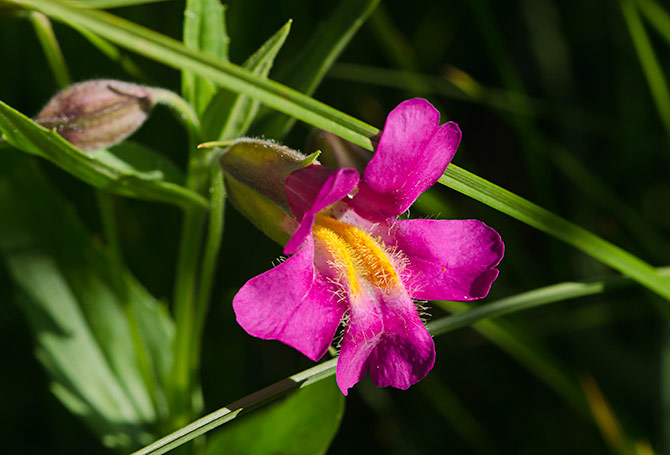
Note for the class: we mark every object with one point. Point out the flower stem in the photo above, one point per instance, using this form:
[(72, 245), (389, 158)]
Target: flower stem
[(208, 267)]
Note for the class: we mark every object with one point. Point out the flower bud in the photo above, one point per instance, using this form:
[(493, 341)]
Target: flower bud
[(97, 114), (256, 172), (337, 152)]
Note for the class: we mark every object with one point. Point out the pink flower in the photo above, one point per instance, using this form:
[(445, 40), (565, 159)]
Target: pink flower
[(353, 261)]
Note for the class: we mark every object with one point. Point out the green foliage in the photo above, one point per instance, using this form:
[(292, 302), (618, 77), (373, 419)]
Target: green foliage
[(229, 114), (125, 174), (104, 340), (118, 361), (305, 422), (205, 30)]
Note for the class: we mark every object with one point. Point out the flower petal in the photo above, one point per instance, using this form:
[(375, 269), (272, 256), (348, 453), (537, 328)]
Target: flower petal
[(391, 342), (312, 189), (364, 331), (406, 352), (448, 259), (292, 303), (413, 153)]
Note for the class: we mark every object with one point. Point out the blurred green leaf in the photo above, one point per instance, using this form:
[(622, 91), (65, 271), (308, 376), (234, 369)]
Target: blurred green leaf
[(229, 114), (103, 4), (305, 422), (657, 16), (204, 30), (91, 325), (311, 64), (124, 174)]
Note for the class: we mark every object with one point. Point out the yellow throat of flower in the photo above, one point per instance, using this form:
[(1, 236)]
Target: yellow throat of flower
[(357, 255)]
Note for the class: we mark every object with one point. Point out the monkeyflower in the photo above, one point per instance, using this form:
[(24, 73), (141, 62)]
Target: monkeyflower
[(352, 261)]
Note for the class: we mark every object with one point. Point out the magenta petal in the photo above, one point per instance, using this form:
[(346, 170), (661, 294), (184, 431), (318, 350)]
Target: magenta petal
[(312, 189), (406, 352), (292, 303), (364, 330), (413, 153), (448, 259)]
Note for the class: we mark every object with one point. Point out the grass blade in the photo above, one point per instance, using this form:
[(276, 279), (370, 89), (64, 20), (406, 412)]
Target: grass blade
[(649, 62), (52, 51), (174, 54), (101, 169), (525, 211), (309, 66)]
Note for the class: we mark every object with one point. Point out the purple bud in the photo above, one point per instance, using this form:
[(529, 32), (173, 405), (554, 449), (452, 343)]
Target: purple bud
[(97, 114)]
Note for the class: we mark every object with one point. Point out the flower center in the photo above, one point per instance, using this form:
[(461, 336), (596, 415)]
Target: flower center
[(360, 258)]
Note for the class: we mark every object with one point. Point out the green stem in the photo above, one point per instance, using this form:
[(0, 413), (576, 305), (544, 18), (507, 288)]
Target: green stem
[(184, 302), (208, 267), (179, 105)]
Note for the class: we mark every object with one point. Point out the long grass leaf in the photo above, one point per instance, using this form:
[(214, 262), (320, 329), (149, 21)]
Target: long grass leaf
[(648, 60), (101, 168), (311, 64), (52, 51), (173, 53), (525, 211)]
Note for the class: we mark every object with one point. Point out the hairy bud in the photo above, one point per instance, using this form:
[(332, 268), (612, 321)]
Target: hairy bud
[(97, 114)]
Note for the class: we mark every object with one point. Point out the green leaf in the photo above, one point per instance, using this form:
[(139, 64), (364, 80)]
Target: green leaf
[(311, 64), (93, 327), (204, 30), (525, 211), (305, 422), (125, 174), (229, 114)]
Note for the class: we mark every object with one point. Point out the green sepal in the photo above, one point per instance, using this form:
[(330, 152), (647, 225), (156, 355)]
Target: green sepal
[(256, 172)]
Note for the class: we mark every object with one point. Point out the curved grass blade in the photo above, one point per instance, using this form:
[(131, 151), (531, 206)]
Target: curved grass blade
[(525, 211), (174, 54), (52, 51), (102, 169), (648, 60), (104, 4), (311, 64), (306, 422), (240, 407)]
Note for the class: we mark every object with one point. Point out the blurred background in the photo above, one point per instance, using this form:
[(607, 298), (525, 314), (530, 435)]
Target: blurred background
[(562, 102)]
